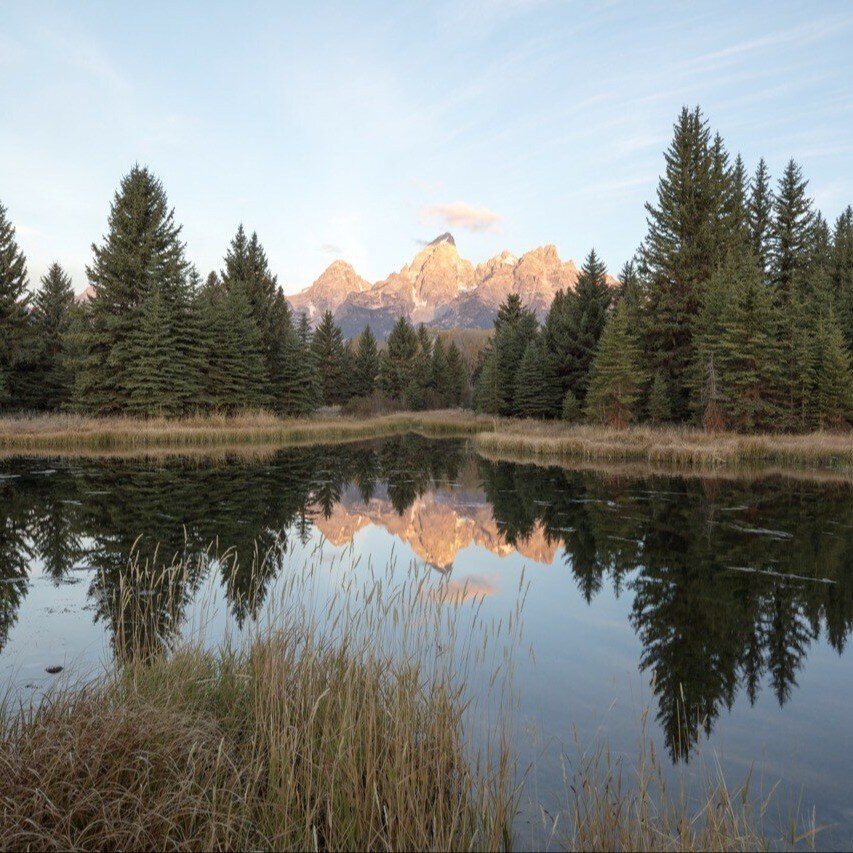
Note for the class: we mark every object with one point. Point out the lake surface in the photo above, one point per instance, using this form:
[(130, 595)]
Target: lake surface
[(722, 604)]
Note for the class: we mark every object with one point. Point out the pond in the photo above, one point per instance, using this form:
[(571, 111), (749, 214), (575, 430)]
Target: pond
[(722, 604)]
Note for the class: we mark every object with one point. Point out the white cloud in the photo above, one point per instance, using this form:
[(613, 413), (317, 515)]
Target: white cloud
[(461, 215)]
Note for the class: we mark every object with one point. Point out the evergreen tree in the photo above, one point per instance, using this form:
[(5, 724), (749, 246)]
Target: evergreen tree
[(571, 411), (834, 386), (660, 410), (629, 288), (51, 319), (761, 218), (398, 359), (328, 347), (312, 390), (841, 272), (680, 251), (798, 344), (749, 376), (457, 376), (616, 377), (574, 326), (537, 388), (515, 326), (736, 233), (439, 378), (235, 377), (366, 368), (247, 267), (296, 378), (488, 396), (14, 305), (140, 256), (792, 223)]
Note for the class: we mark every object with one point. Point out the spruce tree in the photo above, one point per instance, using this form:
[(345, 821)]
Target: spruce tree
[(15, 336), (749, 375), (792, 223), (235, 377), (680, 252), (660, 410), (457, 376), (397, 362), (328, 347), (616, 377), (574, 326), (439, 378), (571, 411), (537, 388), (515, 326), (366, 368), (51, 318), (312, 390), (246, 266), (834, 385), (488, 397), (761, 218), (841, 272), (799, 355), (140, 256)]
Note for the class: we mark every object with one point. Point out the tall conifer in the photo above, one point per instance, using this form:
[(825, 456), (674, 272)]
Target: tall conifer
[(51, 317), (14, 325)]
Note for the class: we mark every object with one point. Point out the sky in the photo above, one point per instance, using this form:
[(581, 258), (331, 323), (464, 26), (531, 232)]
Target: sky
[(360, 130)]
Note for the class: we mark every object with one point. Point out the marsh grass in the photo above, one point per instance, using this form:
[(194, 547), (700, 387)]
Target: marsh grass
[(70, 433), (360, 710), (683, 448)]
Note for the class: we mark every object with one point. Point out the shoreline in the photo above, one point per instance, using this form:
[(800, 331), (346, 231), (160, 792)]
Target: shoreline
[(502, 439)]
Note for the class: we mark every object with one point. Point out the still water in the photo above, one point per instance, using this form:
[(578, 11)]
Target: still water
[(723, 605)]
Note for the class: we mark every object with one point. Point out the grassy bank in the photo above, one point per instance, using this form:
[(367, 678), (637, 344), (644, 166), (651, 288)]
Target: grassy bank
[(75, 433), (499, 438), (683, 448)]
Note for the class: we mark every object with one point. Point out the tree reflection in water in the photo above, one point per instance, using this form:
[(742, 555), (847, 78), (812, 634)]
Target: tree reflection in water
[(730, 580)]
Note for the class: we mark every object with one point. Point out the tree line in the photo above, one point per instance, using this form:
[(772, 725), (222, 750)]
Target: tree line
[(155, 339), (735, 313)]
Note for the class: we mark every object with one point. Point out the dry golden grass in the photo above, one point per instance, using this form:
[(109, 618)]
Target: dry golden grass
[(683, 447), (73, 433), (338, 725), (326, 731)]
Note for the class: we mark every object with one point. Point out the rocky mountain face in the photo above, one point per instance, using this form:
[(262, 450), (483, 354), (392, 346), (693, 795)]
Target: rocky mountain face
[(439, 288)]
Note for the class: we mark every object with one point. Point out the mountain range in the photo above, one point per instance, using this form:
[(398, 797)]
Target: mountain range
[(439, 288)]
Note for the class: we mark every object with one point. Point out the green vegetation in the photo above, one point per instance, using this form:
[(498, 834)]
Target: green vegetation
[(739, 306)]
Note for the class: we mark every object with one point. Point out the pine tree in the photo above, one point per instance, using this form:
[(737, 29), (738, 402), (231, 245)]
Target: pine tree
[(834, 386), (310, 385), (51, 318), (792, 223), (328, 347), (488, 396), (841, 273), (736, 233), (235, 377), (515, 325), (571, 411), (439, 378), (397, 362), (141, 255), (629, 288), (15, 336), (537, 388), (761, 218), (366, 368), (616, 378), (798, 344), (246, 266), (680, 251), (574, 326), (749, 376), (660, 410), (457, 376)]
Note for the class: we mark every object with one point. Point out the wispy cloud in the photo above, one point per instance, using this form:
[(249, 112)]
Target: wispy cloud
[(330, 249), (461, 215)]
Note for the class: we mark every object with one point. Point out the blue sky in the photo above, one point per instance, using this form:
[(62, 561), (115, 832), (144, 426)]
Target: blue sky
[(357, 129)]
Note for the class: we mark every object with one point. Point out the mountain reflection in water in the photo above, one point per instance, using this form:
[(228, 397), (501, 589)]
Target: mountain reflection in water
[(730, 581)]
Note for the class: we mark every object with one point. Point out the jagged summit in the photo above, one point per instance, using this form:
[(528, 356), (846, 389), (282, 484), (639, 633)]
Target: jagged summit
[(438, 287), (447, 237)]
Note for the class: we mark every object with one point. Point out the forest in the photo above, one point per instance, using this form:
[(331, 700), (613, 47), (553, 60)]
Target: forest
[(736, 313)]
